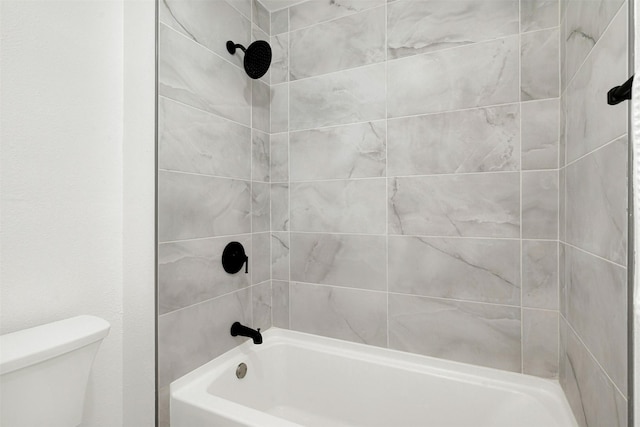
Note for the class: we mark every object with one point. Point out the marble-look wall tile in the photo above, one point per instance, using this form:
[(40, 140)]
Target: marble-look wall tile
[(562, 208), (260, 207), (194, 206), (540, 64), (191, 140), (346, 97), (540, 274), (347, 314), (191, 337), (242, 6), (260, 261), (597, 310), (191, 74), (260, 156), (346, 206), (594, 400), (279, 158), (473, 205), (352, 151), (586, 21), (591, 122), (540, 343), (261, 17), (562, 278), (470, 76), (467, 269), (280, 21), (279, 108), (482, 334), (340, 260), (260, 106), (538, 14), (316, 11), (280, 61), (478, 140), (280, 244), (419, 26), (540, 134), (344, 43), (209, 23), (597, 202), (261, 305), (190, 272), (279, 207), (540, 205), (280, 303), (164, 398)]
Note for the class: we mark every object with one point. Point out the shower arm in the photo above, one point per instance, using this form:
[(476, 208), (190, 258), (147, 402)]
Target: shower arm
[(231, 47)]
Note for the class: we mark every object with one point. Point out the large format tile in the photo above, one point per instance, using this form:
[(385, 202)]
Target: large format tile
[(261, 106), (478, 140), (346, 206), (467, 269), (538, 14), (279, 108), (261, 17), (540, 343), (261, 306), (474, 205), (191, 74), (540, 205), (419, 26), (539, 65), (261, 257), (347, 314), (191, 140), (279, 207), (190, 272), (280, 304), (470, 76), (586, 21), (596, 206), (209, 23), (591, 122), (191, 337), (540, 134), (280, 62), (594, 400), (540, 274), (482, 334), (340, 260), (596, 295), (260, 207), (346, 97), (352, 151), (260, 156), (340, 44), (280, 244), (280, 21), (315, 11), (279, 158), (193, 206)]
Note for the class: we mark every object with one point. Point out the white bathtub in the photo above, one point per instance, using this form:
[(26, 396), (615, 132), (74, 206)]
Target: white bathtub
[(296, 379)]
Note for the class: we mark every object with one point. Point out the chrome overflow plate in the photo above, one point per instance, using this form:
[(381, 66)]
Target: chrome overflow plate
[(241, 370)]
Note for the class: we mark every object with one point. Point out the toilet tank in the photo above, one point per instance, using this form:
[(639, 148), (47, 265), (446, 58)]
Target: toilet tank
[(44, 372)]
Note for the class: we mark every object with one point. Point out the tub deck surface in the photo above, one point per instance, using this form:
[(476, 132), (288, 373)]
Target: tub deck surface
[(297, 379)]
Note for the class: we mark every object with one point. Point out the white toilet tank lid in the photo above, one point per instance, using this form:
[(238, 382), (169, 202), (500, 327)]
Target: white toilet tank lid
[(29, 346)]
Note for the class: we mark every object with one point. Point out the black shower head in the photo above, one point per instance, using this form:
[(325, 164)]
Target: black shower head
[(257, 57)]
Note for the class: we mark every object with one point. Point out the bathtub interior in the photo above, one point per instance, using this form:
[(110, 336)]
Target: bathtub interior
[(314, 381)]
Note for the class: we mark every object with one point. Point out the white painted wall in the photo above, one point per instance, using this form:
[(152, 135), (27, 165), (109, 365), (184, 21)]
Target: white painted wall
[(68, 197)]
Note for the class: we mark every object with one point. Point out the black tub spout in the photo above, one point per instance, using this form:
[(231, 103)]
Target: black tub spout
[(244, 331)]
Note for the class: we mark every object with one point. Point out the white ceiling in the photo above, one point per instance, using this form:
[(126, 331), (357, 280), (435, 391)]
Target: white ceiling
[(278, 4)]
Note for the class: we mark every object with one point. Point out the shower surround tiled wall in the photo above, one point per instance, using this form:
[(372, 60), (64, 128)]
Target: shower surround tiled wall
[(593, 220), (213, 184), (419, 209), (397, 178)]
